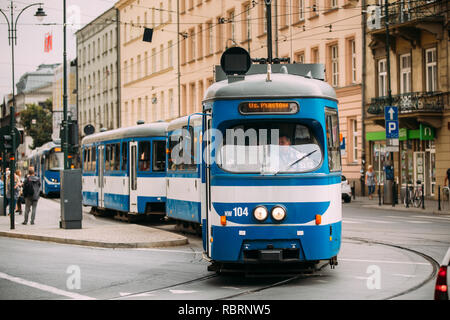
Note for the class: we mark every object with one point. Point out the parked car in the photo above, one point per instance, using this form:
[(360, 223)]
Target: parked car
[(441, 288), (346, 190)]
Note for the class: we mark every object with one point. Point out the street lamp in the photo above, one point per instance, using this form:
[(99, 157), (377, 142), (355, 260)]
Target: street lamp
[(12, 37)]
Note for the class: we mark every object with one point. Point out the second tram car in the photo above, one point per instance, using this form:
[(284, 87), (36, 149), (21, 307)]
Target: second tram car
[(125, 169)]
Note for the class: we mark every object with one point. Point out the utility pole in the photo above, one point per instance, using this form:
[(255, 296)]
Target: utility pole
[(65, 142), (12, 39), (269, 30)]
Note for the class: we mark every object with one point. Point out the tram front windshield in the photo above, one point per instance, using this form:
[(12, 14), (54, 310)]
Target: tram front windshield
[(269, 148), (55, 161)]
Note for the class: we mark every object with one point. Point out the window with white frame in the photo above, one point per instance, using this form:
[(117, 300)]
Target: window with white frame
[(301, 10), (334, 66), (382, 76), (354, 127), (405, 73), (353, 52), (431, 69), (170, 54)]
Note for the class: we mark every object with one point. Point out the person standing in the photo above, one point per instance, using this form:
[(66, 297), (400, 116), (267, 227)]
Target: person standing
[(371, 181), (31, 190), (11, 201), (20, 198)]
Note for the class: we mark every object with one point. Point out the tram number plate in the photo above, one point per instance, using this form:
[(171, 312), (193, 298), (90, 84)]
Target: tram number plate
[(237, 212)]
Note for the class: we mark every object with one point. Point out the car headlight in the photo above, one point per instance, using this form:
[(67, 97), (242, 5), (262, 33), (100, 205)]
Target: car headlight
[(260, 213), (278, 213)]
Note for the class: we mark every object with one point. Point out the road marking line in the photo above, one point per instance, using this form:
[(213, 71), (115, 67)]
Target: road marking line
[(44, 287), (182, 291), (384, 261), (413, 221), (404, 275), (367, 220), (347, 221), (440, 218)]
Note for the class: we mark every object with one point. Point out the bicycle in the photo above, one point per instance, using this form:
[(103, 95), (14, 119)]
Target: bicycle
[(414, 196)]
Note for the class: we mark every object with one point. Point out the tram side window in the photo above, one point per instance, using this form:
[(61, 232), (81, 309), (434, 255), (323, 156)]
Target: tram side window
[(159, 155), (84, 159), (93, 158), (115, 165), (124, 156), (107, 157), (144, 156), (332, 128), (174, 164), (189, 142)]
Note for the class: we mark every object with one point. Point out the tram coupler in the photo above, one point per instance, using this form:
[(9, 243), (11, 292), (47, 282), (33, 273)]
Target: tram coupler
[(333, 262)]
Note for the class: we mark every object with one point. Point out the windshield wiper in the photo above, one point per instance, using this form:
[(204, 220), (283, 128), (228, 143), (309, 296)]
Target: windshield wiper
[(297, 161)]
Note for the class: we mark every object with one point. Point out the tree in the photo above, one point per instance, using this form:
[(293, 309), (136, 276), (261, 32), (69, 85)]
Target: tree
[(40, 129)]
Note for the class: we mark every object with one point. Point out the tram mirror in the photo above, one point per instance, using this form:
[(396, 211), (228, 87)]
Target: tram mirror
[(235, 60)]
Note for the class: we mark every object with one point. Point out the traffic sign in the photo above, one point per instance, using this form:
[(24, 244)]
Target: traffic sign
[(391, 121)]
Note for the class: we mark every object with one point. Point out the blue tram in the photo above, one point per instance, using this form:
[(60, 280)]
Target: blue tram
[(48, 160), (125, 169), (272, 185)]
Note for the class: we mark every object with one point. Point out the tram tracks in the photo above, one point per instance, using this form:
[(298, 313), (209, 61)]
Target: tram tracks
[(434, 264)]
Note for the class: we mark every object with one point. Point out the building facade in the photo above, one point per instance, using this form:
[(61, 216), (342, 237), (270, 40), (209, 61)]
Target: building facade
[(149, 69), (98, 73), (418, 47)]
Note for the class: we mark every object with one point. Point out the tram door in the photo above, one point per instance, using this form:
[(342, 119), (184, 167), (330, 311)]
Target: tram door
[(101, 177), (133, 177), (207, 137)]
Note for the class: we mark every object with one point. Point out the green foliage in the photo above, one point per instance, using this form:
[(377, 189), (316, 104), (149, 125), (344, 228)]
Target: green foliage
[(41, 131)]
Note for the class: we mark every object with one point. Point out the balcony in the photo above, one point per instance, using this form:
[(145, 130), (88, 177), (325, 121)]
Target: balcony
[(413, 107)]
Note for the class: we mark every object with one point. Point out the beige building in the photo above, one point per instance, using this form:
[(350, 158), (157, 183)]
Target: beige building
[(419, 72), (149, 70), (99, 73)]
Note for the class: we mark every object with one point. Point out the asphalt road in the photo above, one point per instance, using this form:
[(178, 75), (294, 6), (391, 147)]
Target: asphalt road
[(384, 255)]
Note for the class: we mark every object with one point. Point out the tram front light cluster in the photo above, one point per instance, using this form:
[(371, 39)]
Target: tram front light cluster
[(260, 213), (278, 213)]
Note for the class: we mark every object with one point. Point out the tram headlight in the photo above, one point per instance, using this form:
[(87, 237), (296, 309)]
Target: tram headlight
[(278, 213), (260, 213)]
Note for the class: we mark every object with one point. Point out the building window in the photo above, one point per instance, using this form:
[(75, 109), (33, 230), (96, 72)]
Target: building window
[(200, 41), (153, 60), (171, 105), (191, 44), (405, 73), (382, 76), (146, 63), (301, 10), (431, 70), (353, 59), (161, 56), (125, 74), (300, 57), (139, 67), (354, 131), (315, 55), (246, 30), (170, 54), (209, 37), (334, 65)]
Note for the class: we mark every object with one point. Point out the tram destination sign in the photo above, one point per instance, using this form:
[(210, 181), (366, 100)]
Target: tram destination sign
[(268, 107)]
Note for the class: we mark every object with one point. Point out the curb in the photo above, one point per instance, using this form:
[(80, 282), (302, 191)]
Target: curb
[(89, 243), (401, 209)]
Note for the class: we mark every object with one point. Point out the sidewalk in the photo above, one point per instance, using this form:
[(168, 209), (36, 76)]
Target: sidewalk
[(431, 206), (96, 231)]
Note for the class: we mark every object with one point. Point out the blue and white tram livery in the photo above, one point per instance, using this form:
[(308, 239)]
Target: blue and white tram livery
[(184, 192), (272, 189), (124, 170), (48, 160)]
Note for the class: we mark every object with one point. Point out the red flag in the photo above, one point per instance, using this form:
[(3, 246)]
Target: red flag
[(48, 42)]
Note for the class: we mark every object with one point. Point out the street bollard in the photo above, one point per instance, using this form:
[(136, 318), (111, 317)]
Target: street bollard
[(393, 194), (407, 195), (379, 194), (353, 191), (423, 196), (439, 198)]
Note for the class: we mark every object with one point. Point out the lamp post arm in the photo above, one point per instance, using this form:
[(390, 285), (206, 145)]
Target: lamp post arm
[(17, 18), (9, 26)]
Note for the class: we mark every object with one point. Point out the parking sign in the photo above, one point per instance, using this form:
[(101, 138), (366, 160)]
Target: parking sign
[(391, 120)]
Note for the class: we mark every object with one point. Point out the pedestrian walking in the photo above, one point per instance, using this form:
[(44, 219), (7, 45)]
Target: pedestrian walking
[(20, 198), (31, 189), (371, 181)]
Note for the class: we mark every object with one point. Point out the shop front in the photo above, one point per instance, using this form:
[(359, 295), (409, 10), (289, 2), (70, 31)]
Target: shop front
[(415, 161)]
